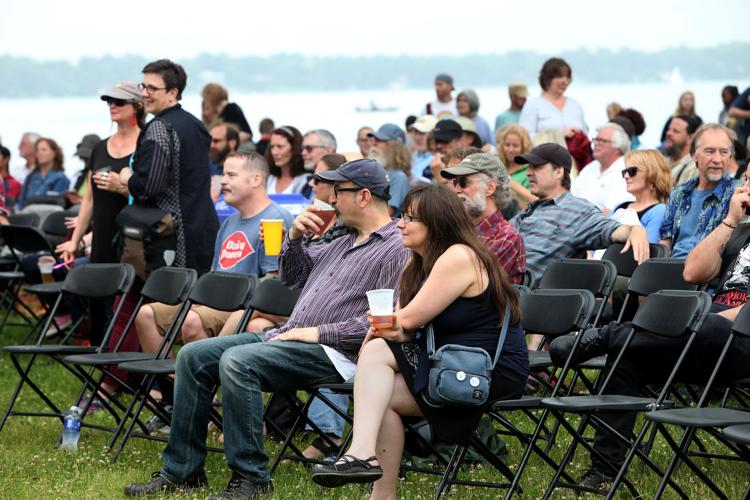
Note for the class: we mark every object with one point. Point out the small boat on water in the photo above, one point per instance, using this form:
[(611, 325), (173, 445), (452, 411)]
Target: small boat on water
[(374, 108)]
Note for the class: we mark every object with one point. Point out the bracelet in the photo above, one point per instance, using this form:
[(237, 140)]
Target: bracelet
[(728, 225)]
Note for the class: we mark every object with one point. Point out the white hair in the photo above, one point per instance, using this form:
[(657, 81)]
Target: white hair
[(327, 140), (620, 139)]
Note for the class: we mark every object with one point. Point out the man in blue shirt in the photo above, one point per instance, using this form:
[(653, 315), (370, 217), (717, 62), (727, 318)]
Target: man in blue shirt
[(238, 250), (696, 207)]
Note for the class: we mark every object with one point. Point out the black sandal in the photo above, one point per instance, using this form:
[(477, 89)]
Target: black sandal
[(353, 470)]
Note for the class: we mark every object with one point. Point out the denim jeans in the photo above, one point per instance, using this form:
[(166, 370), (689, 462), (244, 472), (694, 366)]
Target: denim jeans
[(245, 366), (324, 417)]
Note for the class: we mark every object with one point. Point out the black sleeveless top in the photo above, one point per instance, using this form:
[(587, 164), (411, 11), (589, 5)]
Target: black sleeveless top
[(106, 205)]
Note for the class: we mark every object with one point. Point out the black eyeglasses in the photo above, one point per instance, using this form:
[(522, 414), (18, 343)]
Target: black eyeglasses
[(631, 171), (310, 149), (117, 102), (338, 190), (408, 218), (150, 89), (463, 181)]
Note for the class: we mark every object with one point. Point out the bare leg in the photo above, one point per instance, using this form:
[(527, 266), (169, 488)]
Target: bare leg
[(231, 325), (145, 326), (192, 328)]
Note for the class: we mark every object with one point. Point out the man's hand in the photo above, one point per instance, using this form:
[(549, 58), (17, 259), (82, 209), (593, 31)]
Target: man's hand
[(638, 240), (739, 203), (306, 222), (308, 335)]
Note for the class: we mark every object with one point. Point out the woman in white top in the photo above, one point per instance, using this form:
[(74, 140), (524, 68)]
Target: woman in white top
[(552, 110), (285, 163)]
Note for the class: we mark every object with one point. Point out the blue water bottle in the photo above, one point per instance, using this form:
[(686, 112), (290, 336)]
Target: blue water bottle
[(71, 429)]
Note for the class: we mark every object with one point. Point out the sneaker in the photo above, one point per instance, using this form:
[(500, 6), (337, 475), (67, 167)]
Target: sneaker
[(596, 480), (591, 345), (156, 425), (160, 484), (240, 487)]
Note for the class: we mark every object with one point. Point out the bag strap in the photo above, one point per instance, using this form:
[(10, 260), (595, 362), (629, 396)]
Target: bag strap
[(500, 341)]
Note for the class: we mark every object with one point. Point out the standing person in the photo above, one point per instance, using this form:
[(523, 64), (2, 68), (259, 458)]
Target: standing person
[(48, 175), (682, 128), (552, 109), (740, 110), (444, 105), (11, 186), (225, 139), (513, 140), (728, 94), (284, 157), (266, 127), (27, 151), (467, 104), (517, 93), (454, 282), (216, 107), (685, 107), (364, 140)]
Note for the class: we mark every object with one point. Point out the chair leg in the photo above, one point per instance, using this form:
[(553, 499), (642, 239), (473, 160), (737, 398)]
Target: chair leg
[(451, 470)]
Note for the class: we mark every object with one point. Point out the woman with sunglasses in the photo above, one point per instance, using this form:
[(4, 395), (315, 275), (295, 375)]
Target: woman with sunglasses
[(285, 162), (649, 180), (455, 283)]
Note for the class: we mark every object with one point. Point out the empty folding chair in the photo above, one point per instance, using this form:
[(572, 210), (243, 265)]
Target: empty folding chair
[(625, 262), (88, 281)]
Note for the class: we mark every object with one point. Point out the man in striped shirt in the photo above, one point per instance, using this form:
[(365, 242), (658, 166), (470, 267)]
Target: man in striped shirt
[(319, 343), (559, 225)]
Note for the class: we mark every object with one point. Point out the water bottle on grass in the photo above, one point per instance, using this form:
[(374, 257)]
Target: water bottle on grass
[(71, 429)]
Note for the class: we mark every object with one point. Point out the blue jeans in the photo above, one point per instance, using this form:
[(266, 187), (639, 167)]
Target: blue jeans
[(245, 366), (324, 417)]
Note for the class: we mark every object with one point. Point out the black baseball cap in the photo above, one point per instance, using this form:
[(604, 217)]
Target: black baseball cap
[(364, 173), (447, 130), (546, 153)]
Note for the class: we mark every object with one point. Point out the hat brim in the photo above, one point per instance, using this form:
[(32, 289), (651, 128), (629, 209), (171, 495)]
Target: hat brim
[(332, 176), (380, 137), (531, 159), (450, 173), (447, 137), (114, 94), (423, 130)]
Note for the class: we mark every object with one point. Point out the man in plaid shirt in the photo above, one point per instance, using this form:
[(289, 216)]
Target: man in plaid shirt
[(483, 184)]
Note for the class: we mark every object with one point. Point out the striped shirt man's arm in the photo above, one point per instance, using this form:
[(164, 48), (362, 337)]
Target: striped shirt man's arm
[(151, 175)]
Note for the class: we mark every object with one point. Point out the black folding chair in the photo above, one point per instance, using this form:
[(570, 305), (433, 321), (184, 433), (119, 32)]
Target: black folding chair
[(625, 262), (703, 418), (740, 434), (167, 285), (217, 290), (54, 227), (673, 314), (96, 281)]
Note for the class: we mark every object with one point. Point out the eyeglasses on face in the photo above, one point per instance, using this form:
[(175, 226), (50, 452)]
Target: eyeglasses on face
[(117, 102), (631, 171), (600, 140), (338, 190), (311, 148), (462, 181), (150, 89), (408, 218)]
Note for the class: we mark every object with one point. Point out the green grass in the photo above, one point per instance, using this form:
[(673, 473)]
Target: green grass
[(32, 467)]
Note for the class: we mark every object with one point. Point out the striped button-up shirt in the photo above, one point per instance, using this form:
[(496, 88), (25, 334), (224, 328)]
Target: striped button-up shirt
[(334, 278), (561, 227)]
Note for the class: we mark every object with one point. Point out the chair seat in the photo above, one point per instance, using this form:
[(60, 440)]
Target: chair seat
[(342, 388), (605, 402), (524, 402), (107, 358), (596, 363), (151, 366), (700, 417), (739, 433), (11, 276), (45, 288), (49, 349), (539, 359)]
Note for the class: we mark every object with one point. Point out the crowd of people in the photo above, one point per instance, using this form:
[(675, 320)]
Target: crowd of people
[(446, 210)]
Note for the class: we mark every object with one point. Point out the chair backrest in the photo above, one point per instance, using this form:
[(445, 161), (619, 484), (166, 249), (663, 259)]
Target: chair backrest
[(28, 219), (672, 313), (24, 239), (55, 200), (625, 263), (273, 297), (596, 276), (224, 291), (54, 224), (99, 280), (741, 324), (169, 285), (659, 274), (556, 312)]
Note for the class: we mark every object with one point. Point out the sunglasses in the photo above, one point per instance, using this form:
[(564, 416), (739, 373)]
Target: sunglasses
[(117, 102), (463, 181), (310, 149), (631, 171)]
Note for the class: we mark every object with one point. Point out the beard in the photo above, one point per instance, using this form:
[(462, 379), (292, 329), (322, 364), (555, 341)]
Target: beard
[(671, 149), (218, 157), (375, 154), (476, 205)]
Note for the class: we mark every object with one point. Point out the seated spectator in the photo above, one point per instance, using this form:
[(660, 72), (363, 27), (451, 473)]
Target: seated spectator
[(513, 140), (445, 136), (284, 157), (725, 253), (649, 180), (455, 283), (48, 176), (315, 145), (266, 127), (467, 104), (469, 134), (225, 139), (601, 181), (318, 344), (482, 184), (238, 250), (11, 186), (364, 140), (696, 207), (677, 148), (559, 225), (421, 156), (389, 150)]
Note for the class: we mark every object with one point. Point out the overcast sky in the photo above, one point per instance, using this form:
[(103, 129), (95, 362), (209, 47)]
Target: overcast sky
[(54, 29)]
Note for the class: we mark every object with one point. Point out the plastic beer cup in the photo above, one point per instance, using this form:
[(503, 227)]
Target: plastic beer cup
[(381, 307), (272, 231)]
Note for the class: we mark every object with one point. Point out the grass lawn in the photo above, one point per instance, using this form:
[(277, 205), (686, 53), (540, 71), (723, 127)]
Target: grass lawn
[(32, 467)]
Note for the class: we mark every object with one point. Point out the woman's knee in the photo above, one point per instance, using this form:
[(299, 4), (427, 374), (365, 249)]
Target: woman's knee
[(376, 351)]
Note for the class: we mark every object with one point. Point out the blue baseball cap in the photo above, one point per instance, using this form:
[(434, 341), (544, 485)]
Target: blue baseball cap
[(366, 173), (389, 132)]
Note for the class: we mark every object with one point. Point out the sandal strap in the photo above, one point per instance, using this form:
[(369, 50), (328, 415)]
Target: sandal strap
[(366, 463)]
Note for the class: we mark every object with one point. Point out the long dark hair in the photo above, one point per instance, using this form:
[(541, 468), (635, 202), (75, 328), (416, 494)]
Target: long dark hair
[(58, 160), (294, 137), (448, 224)]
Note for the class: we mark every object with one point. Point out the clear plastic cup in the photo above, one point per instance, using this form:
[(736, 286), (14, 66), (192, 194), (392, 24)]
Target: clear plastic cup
[(381, 307), (45, 264), (327, 213)]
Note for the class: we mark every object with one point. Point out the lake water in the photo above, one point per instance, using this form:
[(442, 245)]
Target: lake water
[(68, 119)]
